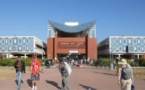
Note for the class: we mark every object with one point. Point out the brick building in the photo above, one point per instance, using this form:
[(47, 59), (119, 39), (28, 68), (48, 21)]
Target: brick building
[(72, 39)]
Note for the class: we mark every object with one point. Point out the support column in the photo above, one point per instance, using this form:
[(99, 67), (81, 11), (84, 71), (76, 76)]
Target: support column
[(119, 56), (25, 56), (137, 56)]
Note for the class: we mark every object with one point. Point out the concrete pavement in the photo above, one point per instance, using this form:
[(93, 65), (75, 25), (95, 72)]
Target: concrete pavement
[(80, 79)]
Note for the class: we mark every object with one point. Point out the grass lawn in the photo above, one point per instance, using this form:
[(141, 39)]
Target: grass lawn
[(8, 72)]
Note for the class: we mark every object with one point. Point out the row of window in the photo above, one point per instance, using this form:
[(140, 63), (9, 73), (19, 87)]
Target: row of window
[(130, 49), (128, 40), (15, 40), (14, 48)]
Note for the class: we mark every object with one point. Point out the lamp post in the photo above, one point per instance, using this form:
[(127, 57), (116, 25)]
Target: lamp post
[(111, 61)]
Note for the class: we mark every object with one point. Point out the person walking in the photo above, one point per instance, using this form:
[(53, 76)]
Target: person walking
[(43, 64), (19, 65), (64, 75), (125, 75), (35, 72)]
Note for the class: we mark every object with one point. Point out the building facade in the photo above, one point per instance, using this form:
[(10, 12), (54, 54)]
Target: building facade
[(122, 46), (72, 39), (11, 46)]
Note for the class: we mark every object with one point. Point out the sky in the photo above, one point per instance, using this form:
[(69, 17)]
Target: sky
[(113, 17)]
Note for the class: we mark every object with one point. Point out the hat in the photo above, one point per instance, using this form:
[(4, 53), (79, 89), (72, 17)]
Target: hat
[(122, 61), (34, 57)]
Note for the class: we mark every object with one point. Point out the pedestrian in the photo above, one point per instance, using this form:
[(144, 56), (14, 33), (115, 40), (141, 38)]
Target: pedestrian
[(43, 64), (125, 75), (20, 68), (64, 75), (35, 72)]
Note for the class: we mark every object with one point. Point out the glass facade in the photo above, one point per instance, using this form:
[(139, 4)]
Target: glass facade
[(10, 44), (127, 44)]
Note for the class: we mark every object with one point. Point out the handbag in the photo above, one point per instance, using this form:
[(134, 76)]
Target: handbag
[(132, 87)]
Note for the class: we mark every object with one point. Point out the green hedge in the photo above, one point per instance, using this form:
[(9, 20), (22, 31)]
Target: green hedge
[(10, 62), (106, 62)]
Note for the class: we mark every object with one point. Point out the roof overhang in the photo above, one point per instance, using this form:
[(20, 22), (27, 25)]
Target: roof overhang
[(72, 29)]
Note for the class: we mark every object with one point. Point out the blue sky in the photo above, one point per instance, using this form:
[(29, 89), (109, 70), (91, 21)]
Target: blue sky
[(113, 17)]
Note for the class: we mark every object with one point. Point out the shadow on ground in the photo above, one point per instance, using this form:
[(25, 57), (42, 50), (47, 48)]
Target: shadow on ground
[(29, 82), (53, 83), (106, 73), (17, 82), (87, 87)]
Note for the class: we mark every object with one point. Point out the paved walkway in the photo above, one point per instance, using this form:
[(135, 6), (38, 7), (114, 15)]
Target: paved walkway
[(80, 79)]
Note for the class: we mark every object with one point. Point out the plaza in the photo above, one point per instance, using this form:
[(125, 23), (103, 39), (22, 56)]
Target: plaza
[(81, 79)]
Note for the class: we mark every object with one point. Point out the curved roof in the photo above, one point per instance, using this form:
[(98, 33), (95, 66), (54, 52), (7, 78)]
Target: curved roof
[(72, 29)]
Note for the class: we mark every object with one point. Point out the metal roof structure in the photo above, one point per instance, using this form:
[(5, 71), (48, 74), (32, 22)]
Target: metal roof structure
[(72, 29)]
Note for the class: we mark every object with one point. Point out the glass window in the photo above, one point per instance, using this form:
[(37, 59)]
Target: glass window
[(27, 41), (10, 48), (135, 48), (129, 40), (124, 41), (3, 48), (135, 41), (15, 41), (138, 41), (144, 40), (20, 41), (27, 48), (142, 48), (0, 40), (120, 41), (6, 40), (117, 48), (19, 48), (124, 48), (24, 40), (10, 41)]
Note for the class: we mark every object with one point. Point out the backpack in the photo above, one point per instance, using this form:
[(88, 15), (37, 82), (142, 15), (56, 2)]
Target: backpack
[(125, 73), (68, 68)]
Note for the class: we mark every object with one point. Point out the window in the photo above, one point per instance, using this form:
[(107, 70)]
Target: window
[(27, 48), (120, 41), (142, 49), (10, 41), (27, 41), (15, 41), (124, 41), (124, 48), (134, 40), (20, 48), (3, 48), (6, 40), (138, 41), (135, 48), (0, 40), (144, 40), (20, 41), (24, 40), (10, 48), (129, 41)]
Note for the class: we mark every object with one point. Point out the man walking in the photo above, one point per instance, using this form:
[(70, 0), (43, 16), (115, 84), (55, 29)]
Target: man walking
[(20, 68), (64, 74), (35, 72)]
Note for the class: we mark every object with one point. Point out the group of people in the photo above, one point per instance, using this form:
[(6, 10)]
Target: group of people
[(125, 73), (35, 72)]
